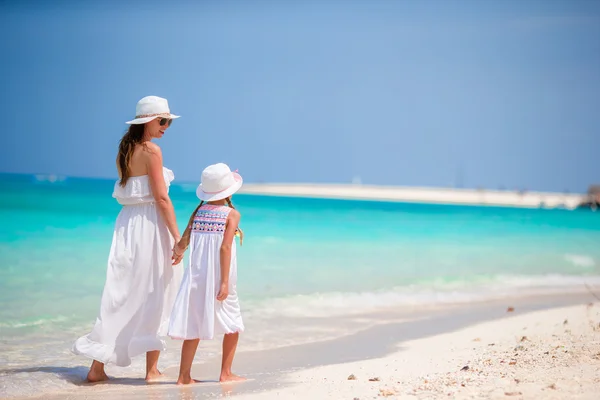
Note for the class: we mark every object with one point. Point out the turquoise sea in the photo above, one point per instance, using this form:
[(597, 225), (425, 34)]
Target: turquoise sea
[(302, 260)]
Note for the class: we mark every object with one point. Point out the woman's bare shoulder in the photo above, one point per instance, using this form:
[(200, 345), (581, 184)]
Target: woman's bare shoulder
[(151, 147), (148, 151)]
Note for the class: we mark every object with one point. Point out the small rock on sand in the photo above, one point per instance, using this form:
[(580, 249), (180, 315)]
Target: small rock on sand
[(351, 377), (374, 379), (512, 393)]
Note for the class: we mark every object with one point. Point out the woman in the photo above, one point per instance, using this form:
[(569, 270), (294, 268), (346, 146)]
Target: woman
[(141, 282)]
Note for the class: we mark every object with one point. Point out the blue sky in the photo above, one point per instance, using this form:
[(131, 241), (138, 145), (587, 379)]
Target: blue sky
[(432, 93)]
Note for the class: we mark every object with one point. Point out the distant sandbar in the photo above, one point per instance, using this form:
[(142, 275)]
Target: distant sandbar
[(420, 195)]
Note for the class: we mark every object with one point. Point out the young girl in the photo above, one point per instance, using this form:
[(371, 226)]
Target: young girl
[(207, 302)]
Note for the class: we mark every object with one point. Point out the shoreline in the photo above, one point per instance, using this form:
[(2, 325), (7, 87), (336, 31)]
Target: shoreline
[(483, 197), (278, 369)]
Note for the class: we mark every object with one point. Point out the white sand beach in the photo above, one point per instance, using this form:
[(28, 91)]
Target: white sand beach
[(420, 194), (552, 354), (544, 347)]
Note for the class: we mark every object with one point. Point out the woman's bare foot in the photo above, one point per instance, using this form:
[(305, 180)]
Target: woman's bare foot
[(96, 376), (231, 378), (186, 380), (152, 372), (153, 375)]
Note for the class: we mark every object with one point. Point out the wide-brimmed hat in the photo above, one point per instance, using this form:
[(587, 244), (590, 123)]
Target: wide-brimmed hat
[(151, 107), (218, 183)]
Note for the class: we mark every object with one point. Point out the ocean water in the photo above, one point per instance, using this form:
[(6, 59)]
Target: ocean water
[(304, 263)]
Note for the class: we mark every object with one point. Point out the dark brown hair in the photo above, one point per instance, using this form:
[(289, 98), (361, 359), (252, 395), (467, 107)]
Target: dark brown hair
[(133, 136)]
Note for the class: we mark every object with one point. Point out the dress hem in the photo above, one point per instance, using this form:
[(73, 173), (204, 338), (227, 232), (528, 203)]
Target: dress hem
[(108, 354), (240, 330)]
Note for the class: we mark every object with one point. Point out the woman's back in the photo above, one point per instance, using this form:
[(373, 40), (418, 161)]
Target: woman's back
[(138, 164)]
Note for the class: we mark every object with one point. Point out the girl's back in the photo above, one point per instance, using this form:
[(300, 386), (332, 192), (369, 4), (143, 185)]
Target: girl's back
[(210, 219), (197, 313), (207, 302)]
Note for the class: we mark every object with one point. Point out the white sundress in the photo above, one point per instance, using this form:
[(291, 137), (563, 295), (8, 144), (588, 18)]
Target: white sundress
[(197, 314), (141, 282)]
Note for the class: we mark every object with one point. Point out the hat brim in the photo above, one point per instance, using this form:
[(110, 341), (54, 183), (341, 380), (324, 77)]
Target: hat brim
[(139, 121), (204, 196)]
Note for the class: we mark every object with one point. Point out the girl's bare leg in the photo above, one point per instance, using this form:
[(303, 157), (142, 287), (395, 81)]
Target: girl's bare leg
[(230, 342), (188, 351)]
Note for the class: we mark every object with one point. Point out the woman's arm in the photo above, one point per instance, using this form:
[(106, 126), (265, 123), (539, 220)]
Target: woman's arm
[(181, 246), (159, 189)]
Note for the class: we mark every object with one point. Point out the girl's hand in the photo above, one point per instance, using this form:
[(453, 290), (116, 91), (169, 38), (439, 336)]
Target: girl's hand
[(223, 292), (177, 255)]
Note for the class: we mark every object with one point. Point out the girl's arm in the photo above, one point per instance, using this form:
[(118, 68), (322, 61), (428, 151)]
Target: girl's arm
[(233, 219)]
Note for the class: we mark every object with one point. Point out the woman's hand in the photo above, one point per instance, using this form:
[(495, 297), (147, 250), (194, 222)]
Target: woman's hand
[(223, 292), (177, 254)]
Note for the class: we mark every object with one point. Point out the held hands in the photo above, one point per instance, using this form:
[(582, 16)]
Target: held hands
[(223, 292), (177, 254)]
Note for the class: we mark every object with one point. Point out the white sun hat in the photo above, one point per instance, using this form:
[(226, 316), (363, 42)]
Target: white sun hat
[(218, 183), (151, 107)]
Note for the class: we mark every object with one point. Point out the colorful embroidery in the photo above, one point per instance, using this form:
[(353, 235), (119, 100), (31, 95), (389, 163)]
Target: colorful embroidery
[(210, 219)]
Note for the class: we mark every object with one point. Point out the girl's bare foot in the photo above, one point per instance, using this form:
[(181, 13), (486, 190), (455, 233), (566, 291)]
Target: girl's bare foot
[(188, 350), (231, 378), (186, 380), (153, 375)]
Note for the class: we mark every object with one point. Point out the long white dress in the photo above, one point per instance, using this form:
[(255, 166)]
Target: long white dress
[(141, 282), (197, 314)]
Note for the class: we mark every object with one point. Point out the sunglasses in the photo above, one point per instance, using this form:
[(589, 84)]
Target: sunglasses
[(165, 121)]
